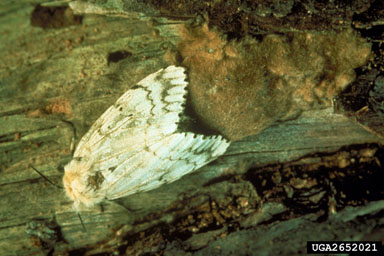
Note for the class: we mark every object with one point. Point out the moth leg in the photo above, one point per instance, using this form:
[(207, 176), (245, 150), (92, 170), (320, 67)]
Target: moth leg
[(120, 202)]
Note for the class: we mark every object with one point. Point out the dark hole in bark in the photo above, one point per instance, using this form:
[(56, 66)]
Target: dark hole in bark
[(118, 56), (54, 17)]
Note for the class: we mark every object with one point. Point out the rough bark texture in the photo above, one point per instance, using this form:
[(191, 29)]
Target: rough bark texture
[(57, 79)]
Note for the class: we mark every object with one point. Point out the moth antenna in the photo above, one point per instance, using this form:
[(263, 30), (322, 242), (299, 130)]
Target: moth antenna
[(72, 145), (82, 223), (45, 178)]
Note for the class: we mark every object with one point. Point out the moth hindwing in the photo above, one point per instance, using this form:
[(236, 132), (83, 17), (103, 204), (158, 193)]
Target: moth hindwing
[(134, 146)]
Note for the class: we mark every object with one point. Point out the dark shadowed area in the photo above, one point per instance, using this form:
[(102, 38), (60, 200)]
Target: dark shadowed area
[(297, 86)]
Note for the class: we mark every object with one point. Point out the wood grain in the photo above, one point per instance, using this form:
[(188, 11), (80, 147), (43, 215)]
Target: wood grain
[(54, 85)]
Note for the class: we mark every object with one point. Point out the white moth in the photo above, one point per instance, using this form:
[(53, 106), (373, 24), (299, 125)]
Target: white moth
[(134, 146)]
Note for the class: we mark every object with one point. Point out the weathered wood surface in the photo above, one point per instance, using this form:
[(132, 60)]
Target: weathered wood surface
[(54, 85)]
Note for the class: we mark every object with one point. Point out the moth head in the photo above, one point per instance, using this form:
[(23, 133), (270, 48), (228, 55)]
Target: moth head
[(76, 185)]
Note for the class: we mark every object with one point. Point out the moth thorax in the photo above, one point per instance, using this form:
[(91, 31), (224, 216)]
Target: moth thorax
[(77, 187)]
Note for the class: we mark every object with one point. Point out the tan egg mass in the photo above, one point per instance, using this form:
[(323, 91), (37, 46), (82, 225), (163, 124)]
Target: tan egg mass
[(241, 87)]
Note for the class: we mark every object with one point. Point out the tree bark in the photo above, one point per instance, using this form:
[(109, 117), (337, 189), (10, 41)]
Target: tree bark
[(56, 82)]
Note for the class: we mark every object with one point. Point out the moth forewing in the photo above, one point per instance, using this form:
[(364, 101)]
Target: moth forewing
[(134, 146)]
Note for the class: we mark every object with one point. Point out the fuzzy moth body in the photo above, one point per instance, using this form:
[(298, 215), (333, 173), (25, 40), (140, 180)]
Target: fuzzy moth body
[(134, 146)]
